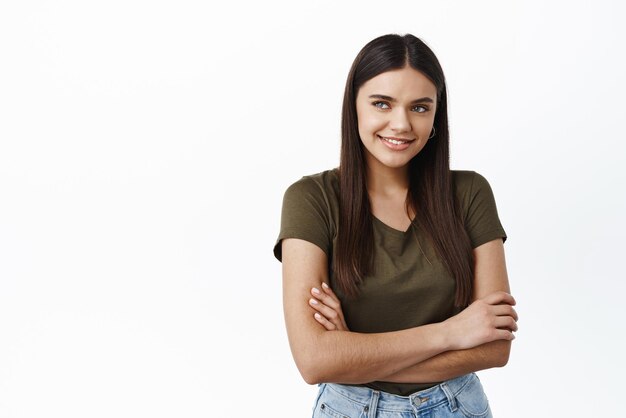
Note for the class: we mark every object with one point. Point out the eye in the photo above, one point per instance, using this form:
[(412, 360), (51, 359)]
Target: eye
[(376, 104), (421, 109)]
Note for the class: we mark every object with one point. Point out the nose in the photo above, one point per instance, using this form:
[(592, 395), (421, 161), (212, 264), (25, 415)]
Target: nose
[(399, 121)]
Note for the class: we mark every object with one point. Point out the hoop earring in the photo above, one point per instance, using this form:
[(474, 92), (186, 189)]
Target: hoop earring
[(433, 134)]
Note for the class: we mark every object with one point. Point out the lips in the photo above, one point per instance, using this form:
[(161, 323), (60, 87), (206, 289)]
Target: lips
[(395, 140), (395, 144)]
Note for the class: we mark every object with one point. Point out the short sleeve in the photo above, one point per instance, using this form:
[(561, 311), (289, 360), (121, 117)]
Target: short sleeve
[(482, 222), (305, 215)]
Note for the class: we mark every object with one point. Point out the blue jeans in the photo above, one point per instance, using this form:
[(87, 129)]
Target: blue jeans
[(460, 397)]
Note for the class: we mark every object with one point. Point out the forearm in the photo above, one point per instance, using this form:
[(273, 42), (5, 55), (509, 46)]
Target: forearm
[(352, 358), (451, 364)]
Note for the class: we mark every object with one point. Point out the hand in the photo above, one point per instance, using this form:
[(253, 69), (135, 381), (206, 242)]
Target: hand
[(488, 319), (328, 308)]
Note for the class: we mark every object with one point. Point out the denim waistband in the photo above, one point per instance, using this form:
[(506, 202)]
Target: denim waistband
[(424, 399)]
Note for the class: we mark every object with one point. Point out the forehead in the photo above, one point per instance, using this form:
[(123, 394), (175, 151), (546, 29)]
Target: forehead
[(405, 84)]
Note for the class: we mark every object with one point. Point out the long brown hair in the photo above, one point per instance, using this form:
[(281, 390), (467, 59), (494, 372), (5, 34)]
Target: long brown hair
[(431, 191)]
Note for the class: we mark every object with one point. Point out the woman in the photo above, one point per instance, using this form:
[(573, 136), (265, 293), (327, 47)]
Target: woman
[(395, 287)]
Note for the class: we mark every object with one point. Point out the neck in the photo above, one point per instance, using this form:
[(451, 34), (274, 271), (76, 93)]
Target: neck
[(386, 181)]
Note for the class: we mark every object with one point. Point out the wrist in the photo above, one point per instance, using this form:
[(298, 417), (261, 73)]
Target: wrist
[(445, 337)]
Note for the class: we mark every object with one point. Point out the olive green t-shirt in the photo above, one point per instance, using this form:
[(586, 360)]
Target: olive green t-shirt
[(409, 286)]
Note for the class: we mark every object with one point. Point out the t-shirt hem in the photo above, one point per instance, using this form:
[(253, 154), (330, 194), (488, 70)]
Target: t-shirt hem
[(295, 234), (489, 236), (409, 388)]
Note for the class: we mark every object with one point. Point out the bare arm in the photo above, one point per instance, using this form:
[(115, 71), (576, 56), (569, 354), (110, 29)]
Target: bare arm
[(490, 276), (350, 357), (452, 364), (342, 356)]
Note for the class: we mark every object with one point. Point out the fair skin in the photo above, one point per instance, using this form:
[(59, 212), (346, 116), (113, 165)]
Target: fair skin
[(393, 129), (397, 105), (490, 276)]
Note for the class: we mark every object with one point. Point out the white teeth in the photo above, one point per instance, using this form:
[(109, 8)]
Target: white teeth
[(393, 141)]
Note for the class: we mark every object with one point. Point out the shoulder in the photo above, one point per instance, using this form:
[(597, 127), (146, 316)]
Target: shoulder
[(472, 191), (468, 182), (310, 207), (320, 184), (478, 207)]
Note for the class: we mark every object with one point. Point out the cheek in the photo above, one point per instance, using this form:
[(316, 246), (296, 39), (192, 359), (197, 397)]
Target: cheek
[(370, 124)]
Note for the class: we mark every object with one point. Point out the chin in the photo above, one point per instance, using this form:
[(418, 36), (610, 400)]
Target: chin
[(395, 164)]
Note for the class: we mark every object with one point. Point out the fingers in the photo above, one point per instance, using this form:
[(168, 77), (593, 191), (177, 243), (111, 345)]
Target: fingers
[(505, 310), (330, 292), (327, 297), (505, 322), (328, 305), (505, 317), (325, 322), (326, 311), (497, 298), (504, 334)]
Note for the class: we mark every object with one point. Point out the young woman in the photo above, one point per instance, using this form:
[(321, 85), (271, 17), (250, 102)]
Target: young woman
[(395, 287)]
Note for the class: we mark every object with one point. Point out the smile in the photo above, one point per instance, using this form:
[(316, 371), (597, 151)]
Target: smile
[(395, 144), (395, 141)]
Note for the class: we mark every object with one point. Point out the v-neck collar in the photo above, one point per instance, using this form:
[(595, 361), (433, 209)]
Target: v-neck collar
[(391, 229)]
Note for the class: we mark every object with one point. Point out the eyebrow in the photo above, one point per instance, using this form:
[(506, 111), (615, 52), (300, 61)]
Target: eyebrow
[(392, 100)]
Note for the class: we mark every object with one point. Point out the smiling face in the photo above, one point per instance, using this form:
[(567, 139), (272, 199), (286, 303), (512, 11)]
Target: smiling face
[(395, 112)]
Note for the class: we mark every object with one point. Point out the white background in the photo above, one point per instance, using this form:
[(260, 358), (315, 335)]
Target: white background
[(145, 148)]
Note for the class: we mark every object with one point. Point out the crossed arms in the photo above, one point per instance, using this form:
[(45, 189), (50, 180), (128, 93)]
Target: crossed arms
[(477, 338)]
